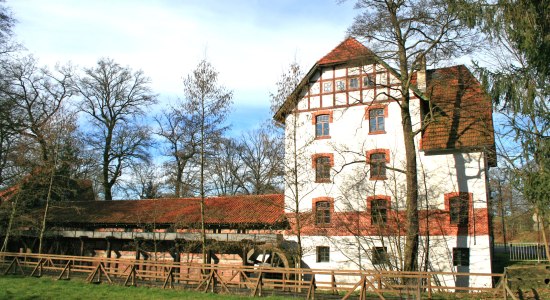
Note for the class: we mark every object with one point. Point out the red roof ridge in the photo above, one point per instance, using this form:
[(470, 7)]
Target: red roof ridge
[(449, 67), (253, 196), (347, 50)]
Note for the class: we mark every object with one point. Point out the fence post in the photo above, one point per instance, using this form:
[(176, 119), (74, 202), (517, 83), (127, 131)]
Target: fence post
[(429, 286)]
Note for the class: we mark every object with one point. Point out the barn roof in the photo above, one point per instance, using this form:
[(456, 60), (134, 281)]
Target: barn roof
[(240, 211)]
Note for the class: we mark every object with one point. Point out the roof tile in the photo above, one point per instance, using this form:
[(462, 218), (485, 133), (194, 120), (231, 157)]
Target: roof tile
[(241, 210)]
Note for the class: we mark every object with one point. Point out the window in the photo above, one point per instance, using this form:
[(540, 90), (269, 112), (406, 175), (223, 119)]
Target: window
[(379, 255), (327, 87), (461, 256), (340, 85), (379, 211), (322, 169), (377, 165), (458, 209), (322, 125), (376, 120), (368, 81), (323, 254), (322, 213), (354, 83)]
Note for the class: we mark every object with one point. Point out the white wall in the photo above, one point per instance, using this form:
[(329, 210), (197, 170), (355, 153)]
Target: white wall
[(350, 185)]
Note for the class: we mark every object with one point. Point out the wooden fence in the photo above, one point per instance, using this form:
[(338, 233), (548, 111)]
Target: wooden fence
[(523, 251), (254, 280)]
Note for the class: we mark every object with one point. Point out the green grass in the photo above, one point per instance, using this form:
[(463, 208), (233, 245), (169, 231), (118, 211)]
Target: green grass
[(18, 287)]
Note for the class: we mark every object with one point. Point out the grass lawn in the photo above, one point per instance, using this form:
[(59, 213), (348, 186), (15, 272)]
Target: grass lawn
[(18, 287)]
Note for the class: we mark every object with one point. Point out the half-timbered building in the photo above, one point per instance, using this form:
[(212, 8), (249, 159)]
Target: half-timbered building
[(345, 163)]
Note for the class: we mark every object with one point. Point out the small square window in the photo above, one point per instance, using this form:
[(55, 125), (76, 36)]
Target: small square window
[(323, 254), (340, 85), (368, 81), (379, 255), (322, 125), (461, 257), (327, 87), (354, 83)]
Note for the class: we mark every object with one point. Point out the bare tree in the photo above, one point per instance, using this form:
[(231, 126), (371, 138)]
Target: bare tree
[(36, 96), (296, 182), (7, 22), (145, 181), (227, 169), (406, 33), (262, 152), (180, 132), (285, 86), (208, 103), (114, 97)]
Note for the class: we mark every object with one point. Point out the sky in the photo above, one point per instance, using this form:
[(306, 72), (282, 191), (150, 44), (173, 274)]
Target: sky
[(249, 42)]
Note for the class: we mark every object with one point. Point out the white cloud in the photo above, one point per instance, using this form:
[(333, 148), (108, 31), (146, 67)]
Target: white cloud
[(249, 42)]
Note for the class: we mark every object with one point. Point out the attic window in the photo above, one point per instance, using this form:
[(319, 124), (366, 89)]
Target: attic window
[(327, 87), (354, 83), (368, 81), (340, 85)]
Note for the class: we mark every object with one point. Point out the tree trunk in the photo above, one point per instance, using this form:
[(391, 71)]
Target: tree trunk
[(296, 194), (411, 240), (10, 223), (106, 152), (179, 175), (45, 216), (203, 230)]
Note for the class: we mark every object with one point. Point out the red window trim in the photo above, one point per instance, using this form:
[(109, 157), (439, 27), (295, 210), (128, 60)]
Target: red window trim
[(386, 153), (367, 115), (314, 201), (314, 163), (378, 197), (358, 77), (313, 121), (448, 197), (321, 112)]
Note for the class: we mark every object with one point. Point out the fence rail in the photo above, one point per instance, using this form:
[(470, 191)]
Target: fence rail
[(523, 251), (312, 283)]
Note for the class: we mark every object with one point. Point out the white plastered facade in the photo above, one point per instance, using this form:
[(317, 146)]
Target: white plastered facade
[(350, 184)]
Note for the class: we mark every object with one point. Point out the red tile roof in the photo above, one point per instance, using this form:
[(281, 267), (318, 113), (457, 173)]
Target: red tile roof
[(463, 111), (348, 50), (251, 210)]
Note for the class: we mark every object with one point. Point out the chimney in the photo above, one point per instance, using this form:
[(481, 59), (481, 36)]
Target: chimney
[(421, 74)]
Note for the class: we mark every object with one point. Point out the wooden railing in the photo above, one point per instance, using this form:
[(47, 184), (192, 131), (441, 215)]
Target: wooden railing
[(256, 280)]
